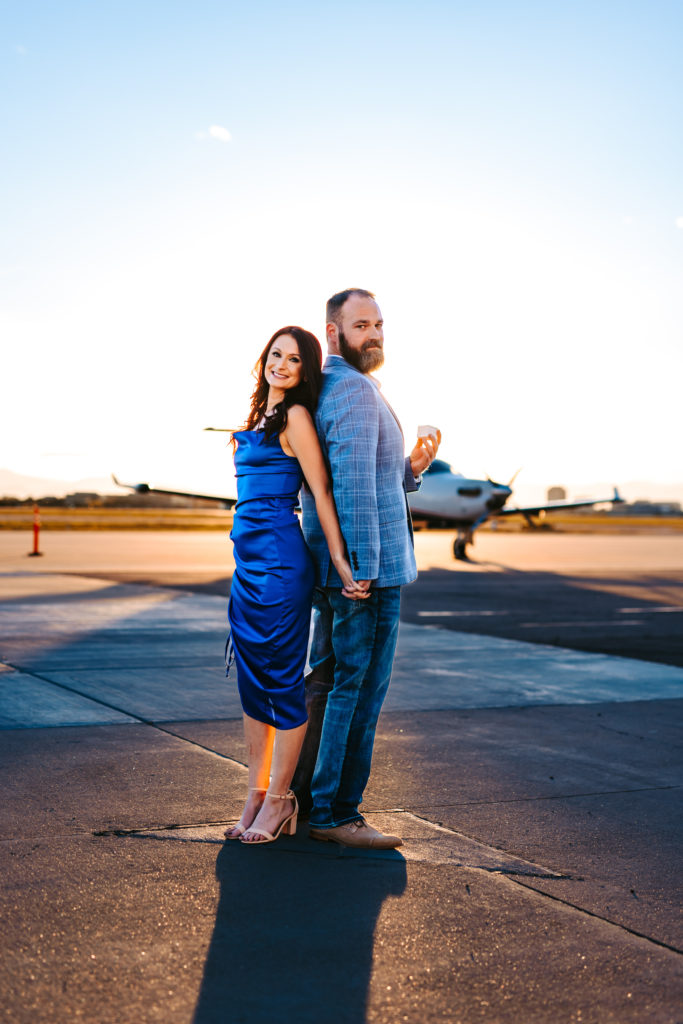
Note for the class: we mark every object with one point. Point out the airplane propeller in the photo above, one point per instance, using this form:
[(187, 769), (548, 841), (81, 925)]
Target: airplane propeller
[(508, 484)]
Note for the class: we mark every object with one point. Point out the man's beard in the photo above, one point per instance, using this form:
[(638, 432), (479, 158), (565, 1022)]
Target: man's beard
[(366, 359)]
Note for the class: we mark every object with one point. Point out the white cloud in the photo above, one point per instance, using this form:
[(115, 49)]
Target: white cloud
[(21, 50), (216, 131), (679, 222)]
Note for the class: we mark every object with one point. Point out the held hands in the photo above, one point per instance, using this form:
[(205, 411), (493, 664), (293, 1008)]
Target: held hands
[(360, 593), (355, 590), (424, 453)]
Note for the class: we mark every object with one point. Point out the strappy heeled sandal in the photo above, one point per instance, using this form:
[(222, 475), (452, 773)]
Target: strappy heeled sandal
[(288, 826), (240, 824)]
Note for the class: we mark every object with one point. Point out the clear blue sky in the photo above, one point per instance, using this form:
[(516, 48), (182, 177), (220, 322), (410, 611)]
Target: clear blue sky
[(507, 176)]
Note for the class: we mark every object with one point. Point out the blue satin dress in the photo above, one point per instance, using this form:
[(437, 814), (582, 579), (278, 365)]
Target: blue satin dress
[(269, 611)]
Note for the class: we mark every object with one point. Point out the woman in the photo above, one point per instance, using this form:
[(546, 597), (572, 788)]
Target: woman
[(272, 586)]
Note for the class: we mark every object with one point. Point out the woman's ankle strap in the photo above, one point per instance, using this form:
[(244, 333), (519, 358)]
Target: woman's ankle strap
[(281, 796)]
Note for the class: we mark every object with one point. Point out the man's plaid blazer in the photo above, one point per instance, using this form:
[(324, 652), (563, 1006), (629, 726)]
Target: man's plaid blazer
[(363, 444)]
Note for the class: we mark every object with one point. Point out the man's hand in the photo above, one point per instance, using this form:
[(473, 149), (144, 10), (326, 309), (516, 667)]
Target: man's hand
[(424, 453)]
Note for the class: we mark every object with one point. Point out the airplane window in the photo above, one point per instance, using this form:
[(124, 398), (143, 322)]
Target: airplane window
[(469, 492)]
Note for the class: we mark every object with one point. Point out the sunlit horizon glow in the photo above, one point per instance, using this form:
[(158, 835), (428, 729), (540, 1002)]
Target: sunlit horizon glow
[(507, 180)]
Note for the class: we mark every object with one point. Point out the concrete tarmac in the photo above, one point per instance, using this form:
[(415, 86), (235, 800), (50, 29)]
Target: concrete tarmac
[(536, 786)]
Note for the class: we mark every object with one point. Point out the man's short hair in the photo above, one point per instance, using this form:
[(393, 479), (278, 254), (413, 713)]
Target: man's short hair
[(334, 305)]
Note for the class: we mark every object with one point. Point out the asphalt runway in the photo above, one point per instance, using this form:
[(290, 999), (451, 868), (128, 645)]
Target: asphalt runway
[(536, 787), (635, 615), (604, 593), (616, 594)]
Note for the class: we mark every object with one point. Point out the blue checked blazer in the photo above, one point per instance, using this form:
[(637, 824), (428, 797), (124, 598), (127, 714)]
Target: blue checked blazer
[(362, 442)]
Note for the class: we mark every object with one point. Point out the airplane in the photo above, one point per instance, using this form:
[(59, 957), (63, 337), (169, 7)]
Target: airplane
[(446, 500), (449, 500), (147, 489)]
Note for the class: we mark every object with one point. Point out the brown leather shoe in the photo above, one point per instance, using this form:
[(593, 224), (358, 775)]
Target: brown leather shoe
[(356, 833)]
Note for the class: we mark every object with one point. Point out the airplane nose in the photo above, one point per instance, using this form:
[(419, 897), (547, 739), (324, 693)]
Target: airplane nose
[(498, 497)]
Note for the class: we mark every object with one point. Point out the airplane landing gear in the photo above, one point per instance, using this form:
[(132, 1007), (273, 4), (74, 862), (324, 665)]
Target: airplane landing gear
[(460, 543), (460, 550)]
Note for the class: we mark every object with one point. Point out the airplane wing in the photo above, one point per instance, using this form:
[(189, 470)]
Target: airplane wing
[(534, 510), (146, 489)]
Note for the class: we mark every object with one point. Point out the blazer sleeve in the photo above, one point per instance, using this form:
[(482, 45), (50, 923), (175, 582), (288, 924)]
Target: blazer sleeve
[(413, 483), (351, 428)]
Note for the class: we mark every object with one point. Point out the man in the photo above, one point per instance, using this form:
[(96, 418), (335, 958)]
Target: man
[(354, 640)]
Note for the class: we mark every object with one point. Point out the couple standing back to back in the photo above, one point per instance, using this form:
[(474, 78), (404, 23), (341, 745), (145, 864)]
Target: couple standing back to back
[(340, 435)]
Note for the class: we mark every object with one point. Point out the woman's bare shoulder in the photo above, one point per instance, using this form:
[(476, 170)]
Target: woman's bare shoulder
[(299, 416)]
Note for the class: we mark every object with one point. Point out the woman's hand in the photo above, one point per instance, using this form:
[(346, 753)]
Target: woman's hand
[(355, 590)]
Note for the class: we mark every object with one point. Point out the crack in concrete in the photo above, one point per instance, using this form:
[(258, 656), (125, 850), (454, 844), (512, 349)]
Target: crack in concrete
[(555, 796), (131, 714), (621, 732), (174, 826), (80, 693), (598, 917), (537, 871), (200, 746)]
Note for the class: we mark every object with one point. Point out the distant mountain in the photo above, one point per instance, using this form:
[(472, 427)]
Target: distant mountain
[(15, 485)]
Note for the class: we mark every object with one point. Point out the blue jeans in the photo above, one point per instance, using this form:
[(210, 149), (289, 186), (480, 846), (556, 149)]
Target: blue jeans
[(351, 658)]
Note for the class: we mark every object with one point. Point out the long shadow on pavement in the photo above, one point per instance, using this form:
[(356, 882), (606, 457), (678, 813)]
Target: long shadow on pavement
[(294, 932), (601, 612)]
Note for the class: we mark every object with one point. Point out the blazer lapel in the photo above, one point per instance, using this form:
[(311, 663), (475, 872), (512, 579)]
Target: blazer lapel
[(391, 411)]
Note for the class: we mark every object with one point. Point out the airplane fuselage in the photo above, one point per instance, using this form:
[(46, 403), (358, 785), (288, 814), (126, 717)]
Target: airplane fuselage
[(452, 499)]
